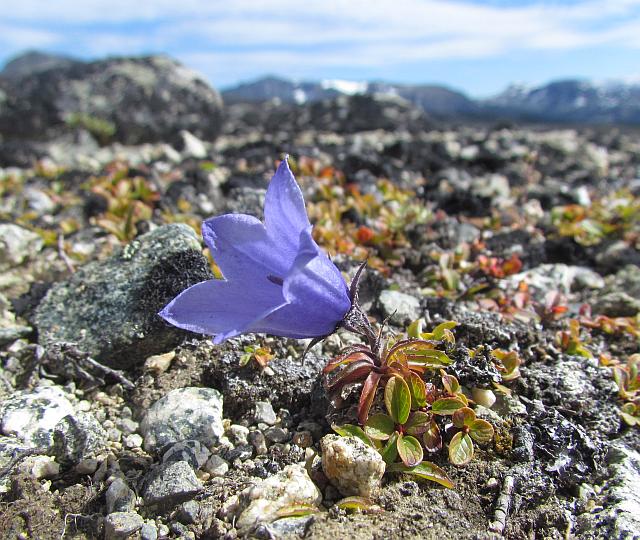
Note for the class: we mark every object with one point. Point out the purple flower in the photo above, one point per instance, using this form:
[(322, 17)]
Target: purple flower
[(277, 280)]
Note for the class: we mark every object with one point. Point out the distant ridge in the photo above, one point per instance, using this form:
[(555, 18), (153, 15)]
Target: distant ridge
[(567, 101)]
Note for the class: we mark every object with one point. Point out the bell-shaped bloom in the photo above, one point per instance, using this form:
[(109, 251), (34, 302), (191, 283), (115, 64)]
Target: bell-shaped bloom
[(276, 278)]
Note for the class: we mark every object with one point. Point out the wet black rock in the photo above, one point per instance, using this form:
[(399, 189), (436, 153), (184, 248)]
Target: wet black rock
[(130, 100), (109, 308)]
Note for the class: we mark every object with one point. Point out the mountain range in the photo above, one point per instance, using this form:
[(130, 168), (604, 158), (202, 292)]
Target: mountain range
[(566, 101)]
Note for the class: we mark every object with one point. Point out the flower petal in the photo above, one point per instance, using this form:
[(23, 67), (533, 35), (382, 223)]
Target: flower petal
[(223, 308), (242, 249), (284, 213), (316, 293)]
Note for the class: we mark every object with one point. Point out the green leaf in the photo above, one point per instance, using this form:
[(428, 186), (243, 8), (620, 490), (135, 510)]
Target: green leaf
[(390, 452), (418, 390), (427, 357), (431, 438), (415, 329), (409, 450), (379, 426), (417, 423), (397, 398), (358, 504), (443, 330), (463, 417), (481, 431), (349, 430), (460, 449), (426, 470), (446, 406)]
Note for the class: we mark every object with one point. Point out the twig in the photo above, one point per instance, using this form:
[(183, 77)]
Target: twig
[(503, 505), (63, 254), (113, 372)]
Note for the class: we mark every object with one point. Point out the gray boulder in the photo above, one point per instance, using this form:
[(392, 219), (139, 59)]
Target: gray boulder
[(129, 100), (109, 308)]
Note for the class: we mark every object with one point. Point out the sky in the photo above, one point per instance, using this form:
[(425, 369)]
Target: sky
[(477, 46)]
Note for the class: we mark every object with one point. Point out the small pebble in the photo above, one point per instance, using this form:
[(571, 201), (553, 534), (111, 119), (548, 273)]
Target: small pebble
[(256, 438), (163, 531), (238, 434), (188, 512), (121, 524), (303, 439), (133, 441), (149, 531), (216, 466), (159, 363), (87, 466), (127, 426), (276, 434), (264, 413)]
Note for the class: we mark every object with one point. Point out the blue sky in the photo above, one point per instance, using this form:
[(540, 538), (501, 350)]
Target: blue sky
[(474, 45)]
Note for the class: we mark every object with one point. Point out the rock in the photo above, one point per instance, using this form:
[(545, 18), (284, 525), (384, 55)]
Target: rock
[(77, 437), (556, 277), (121, 525), (87, 466), (401, 307), (293, 527), (169, 484), (40, 467), (237, 434), (264, 413), (119, 497), (32, 416), (109, 308), (352, 466), (192, 146), (133, 441), (624, 492), (304, 439), (188, 512), (348, 114), (130, 100), (193, 452), (260, 503), (617, 304), (620, 296), (290, 382), (149, 531), (276, 434), (257, 439), (216, 466), (184, 413), (17, 245)]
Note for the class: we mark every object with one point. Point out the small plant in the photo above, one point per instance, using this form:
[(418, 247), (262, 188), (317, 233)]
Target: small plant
[(627, 378), (262, 355), (419, 407), (406, 359), (469, 429), (571, 342), (103, 130)]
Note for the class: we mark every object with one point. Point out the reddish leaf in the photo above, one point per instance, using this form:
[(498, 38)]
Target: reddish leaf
[(367, 396), (352, 373)]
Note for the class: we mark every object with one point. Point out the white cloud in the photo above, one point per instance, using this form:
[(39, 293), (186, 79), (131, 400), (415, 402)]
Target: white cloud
[(247, 38)]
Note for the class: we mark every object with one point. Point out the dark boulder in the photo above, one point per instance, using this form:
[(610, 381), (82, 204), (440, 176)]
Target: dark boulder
[(129, 100)]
